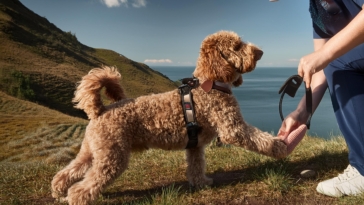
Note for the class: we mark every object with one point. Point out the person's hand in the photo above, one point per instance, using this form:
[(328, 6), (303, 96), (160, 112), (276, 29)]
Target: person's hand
[(311, 64), (290, 123)]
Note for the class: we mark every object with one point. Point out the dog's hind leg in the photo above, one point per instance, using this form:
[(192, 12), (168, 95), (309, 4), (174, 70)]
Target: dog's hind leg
[(108, 163), (196, 167), (72, 173)]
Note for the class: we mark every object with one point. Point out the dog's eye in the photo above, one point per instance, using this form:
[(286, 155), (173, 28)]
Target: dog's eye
[(238, 46)]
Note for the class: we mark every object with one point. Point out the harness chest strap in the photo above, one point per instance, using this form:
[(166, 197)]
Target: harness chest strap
[(188, 111), (188, 107)]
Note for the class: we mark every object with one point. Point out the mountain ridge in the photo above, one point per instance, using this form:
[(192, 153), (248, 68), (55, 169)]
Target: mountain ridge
[(41, 63)]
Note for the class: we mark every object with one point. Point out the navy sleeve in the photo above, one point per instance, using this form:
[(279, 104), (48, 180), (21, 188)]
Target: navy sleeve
[(318, 33), (359, 2)]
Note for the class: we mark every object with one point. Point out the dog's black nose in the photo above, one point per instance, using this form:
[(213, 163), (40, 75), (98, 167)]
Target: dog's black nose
[(258, 54)]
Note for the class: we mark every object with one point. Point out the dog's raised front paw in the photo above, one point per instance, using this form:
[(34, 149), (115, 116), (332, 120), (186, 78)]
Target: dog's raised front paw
[(279, 149)]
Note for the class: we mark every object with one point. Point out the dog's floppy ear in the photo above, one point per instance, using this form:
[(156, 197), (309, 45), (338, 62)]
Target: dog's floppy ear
[(212, 64)]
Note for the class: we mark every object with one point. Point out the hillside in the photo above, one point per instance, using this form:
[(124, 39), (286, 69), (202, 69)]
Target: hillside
[(41, 63), (32, 132)]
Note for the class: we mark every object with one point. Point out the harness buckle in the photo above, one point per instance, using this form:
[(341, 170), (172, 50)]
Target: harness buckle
[(191, 82), (184, 89)]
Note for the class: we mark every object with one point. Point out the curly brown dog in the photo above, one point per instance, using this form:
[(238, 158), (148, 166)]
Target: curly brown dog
[(157, 121)]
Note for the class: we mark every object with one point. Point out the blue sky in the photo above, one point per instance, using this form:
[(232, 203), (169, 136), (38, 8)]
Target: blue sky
[(170, 32)]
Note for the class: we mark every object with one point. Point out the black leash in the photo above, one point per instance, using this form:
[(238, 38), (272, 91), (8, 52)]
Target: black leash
[(290, 88)]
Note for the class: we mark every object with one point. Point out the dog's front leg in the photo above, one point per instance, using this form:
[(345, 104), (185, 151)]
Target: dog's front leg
[(254, 139), (196, 167)]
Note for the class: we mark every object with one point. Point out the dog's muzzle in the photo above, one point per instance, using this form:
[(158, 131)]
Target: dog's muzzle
[(258, 54)]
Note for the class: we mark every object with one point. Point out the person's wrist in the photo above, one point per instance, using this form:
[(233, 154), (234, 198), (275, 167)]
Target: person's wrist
[(302, 115)]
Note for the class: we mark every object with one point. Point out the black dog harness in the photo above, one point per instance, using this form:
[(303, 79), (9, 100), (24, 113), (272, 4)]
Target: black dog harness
[(290, 87), (188, 108)]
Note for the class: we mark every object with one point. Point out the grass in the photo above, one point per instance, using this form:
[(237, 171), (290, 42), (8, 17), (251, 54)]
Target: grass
[(33, 132), (158, 177), (36, 142)]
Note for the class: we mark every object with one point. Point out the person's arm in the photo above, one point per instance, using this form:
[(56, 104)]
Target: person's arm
[(318, 86), (318, 83), (348, 38)]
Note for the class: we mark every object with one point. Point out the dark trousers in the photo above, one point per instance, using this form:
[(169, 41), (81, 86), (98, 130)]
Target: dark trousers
[(345, 78)]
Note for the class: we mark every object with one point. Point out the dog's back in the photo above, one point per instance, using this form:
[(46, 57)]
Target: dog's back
[(151, 121)]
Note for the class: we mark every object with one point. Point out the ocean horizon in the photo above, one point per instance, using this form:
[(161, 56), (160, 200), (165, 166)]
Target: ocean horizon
[(258, 99)]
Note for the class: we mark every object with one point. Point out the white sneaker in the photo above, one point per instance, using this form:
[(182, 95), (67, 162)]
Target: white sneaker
[(348, 183)]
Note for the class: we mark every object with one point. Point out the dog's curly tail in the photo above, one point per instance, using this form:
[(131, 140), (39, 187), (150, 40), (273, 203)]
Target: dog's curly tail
[(87, 95)]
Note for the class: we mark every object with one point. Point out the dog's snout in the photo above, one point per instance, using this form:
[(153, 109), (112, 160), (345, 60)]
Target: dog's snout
[(258, 54)]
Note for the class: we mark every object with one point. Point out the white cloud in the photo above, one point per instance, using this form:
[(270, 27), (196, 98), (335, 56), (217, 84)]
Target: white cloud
[(157, 61), (293, 60), (117, 3), (139, 3)]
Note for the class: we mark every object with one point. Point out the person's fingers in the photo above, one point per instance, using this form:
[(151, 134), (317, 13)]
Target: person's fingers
[(283, 131), (287, 127), (305, 72), (282, 134), (300, 70), (307, 78)]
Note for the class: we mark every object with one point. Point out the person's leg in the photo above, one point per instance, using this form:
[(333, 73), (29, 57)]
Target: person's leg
[(345, 78)]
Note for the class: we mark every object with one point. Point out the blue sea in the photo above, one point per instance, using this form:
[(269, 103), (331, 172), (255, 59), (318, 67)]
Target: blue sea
[(259, 99)]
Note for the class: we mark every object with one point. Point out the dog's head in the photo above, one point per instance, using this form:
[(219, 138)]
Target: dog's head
[(225, 57)]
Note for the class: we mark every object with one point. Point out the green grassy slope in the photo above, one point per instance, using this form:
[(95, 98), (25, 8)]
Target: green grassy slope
[(31, 132), (41, 63)]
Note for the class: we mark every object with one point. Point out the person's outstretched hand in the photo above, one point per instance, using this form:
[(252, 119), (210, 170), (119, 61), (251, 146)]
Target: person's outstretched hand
[(290, 123), (293, 130)]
